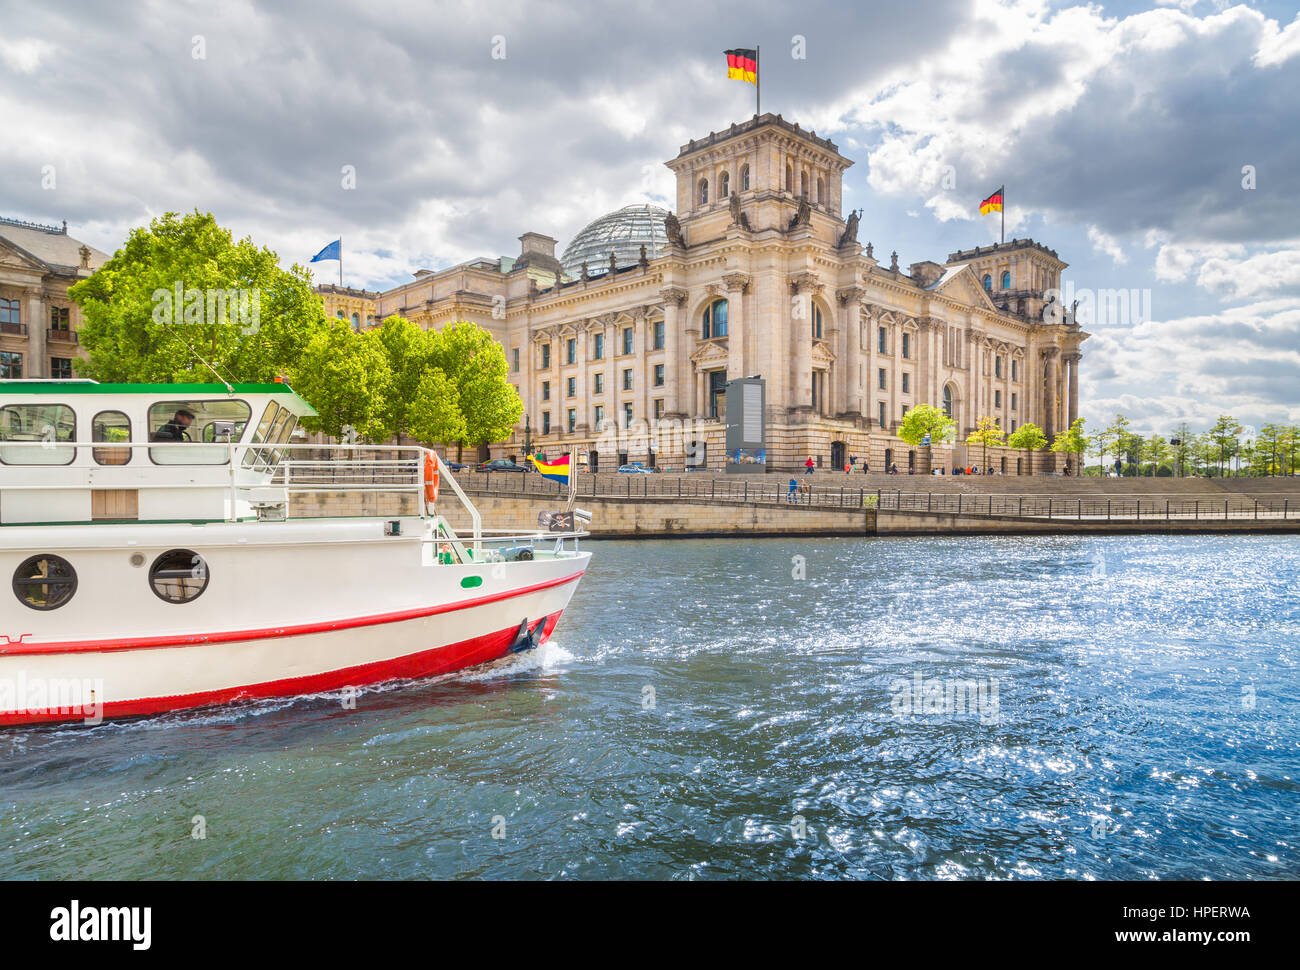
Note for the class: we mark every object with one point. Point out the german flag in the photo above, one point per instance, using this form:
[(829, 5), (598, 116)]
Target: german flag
[(742, 64), (993, 203), (556, 471)]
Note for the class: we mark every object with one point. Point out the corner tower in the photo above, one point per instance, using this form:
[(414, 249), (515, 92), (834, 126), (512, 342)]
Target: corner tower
[(770, 163)]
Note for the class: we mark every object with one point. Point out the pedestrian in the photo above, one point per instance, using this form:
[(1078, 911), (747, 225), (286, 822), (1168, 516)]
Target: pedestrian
[(794, 487), (809, 465)]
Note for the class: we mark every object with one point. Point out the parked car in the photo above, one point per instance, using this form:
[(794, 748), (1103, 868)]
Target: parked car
[(500, 465), (457, 466), (635, 468)]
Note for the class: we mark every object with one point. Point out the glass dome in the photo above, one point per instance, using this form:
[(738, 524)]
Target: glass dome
[(622, 232)]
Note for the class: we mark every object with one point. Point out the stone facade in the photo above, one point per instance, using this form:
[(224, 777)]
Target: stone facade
[(354, 307), (763, 275), (38, 323)]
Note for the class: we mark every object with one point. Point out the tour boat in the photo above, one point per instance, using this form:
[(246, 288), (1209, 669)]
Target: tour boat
[(172, 546)]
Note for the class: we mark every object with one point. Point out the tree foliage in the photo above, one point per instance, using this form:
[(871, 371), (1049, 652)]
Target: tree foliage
[(987, 432), (1072, 441), (182, 292), (926, 419), (1030, 437)]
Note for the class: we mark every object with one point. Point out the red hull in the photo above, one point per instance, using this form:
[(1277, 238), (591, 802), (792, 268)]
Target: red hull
[(429, 663)]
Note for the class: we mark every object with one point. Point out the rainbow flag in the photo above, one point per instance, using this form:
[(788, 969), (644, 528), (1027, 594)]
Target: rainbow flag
[(556, 471)]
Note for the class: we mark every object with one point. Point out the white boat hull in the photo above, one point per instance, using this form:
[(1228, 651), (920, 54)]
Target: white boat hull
[(421, 622)]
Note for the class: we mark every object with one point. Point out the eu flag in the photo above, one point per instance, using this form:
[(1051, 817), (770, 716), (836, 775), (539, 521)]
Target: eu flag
[(333, 251)]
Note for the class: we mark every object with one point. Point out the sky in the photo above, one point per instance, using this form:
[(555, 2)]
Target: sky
[(1154, 146)]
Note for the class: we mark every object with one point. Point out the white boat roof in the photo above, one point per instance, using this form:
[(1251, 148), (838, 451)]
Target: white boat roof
[(20, 388)]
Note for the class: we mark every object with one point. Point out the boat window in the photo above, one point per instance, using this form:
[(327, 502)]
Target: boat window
[(44, 582), (111, 427), (178, 576), (42, 428), (257, 456), (193, 432)]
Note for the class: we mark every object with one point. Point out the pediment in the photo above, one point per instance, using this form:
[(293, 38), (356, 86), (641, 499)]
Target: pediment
[(11, 257), (710, 352), (821, 353), (964, 287)]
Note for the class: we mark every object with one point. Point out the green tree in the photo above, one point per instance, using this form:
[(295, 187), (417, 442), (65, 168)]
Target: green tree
[(987, 432), (1030, 437), (1156, 450), (434, 411), (1223, 436), (475, 365), (182, 292), (346, 377), (407, 350), (1289, 450), (1269, 448), (926, 419), (1105, 439), (1185, 438), (1072, 441)]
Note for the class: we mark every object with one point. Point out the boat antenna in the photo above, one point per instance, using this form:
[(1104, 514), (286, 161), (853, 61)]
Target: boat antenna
[(230, 388)]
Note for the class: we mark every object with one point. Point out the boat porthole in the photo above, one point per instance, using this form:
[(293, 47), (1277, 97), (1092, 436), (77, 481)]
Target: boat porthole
[(178, 576), (469, 582), (137, 559), (44, 582)]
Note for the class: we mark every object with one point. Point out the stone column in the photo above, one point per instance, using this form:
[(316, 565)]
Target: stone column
[(921, 371), (971, 404), (676, 372), (1073, 361), (34, 364), (581, 401), (1050, 405), (803, 285), (737, 286), (640, 374), (850, 299), (527, 390)]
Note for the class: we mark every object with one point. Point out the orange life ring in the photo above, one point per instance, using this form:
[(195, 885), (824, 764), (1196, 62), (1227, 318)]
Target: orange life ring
[(430, 479)]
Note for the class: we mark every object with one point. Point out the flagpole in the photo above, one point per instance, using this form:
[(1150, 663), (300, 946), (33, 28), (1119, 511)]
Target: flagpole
[(1004, 213), (758, 81), (340, 261)]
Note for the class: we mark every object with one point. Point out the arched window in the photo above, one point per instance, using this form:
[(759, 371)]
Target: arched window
[(1006, 279), (744, 178), (803, 184), (816, 322), (356, 322), (789, 179), (947, 400), (724, 185), (714, 323), (988, 282), (704, 191), (821, 191)]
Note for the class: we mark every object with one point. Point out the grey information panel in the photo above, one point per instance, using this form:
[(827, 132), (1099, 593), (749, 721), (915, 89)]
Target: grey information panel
[(747, 426)]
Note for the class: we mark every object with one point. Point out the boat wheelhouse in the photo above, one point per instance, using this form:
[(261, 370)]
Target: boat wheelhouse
[(173, 546)]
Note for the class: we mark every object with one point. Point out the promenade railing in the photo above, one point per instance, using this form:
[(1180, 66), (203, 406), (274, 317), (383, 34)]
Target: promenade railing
[(773, 491)]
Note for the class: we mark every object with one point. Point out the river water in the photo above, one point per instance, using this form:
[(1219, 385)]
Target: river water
[(1111, 707)]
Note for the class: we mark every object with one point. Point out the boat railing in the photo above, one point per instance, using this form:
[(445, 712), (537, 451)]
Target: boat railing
[(251, 473)]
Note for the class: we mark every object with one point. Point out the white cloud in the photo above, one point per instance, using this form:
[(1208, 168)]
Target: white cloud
[(1106, 243), (1277, 46), (24, 54)]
